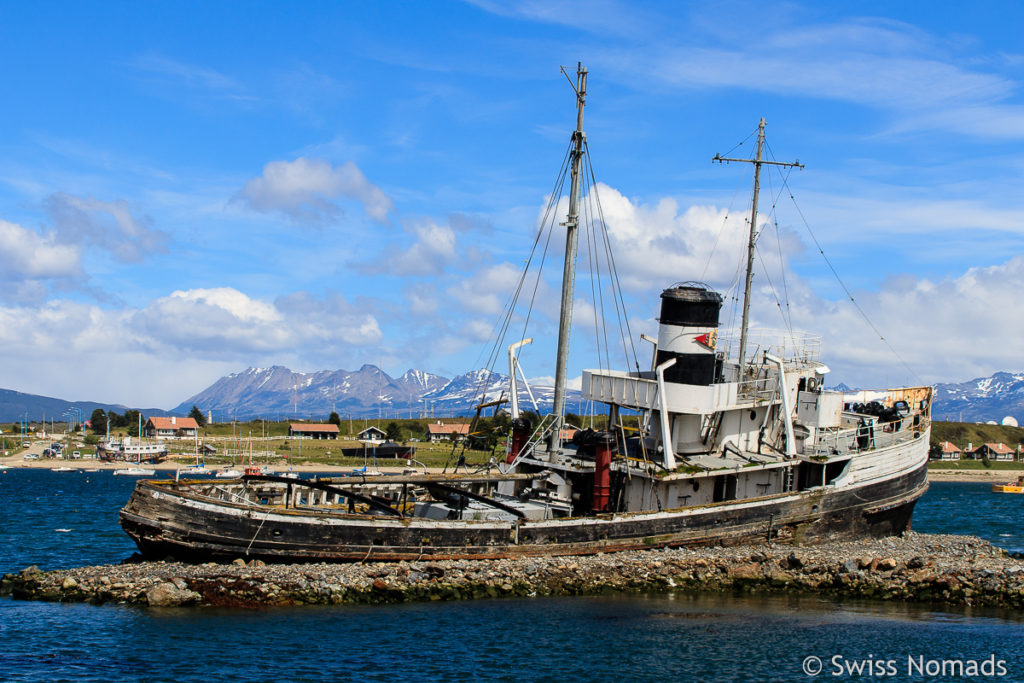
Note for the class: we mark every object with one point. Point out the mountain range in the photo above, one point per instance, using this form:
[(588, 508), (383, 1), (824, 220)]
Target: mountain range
[(982, 399), (16, 406), (280, 393)]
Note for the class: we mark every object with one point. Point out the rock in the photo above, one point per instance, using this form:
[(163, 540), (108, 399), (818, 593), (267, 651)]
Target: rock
[(794, 561), (169, 595), (238, 562), (887, 565), (69, 584), (750, 570)]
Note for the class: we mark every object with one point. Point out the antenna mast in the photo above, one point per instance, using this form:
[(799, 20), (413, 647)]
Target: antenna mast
[(758, 161), (569, 269)]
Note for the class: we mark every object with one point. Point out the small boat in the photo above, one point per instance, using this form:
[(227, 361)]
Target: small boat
[(128, 450), (1010, 487), (136, 472), (62, 469), (229, 473)]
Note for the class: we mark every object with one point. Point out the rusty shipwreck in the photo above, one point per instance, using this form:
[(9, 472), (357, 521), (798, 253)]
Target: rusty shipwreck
[(722, 439)]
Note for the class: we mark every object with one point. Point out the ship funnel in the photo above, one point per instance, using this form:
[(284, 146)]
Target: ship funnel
[(689, 333)]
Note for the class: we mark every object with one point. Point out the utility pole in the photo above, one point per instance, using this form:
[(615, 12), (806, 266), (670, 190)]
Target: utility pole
[(758, 161)]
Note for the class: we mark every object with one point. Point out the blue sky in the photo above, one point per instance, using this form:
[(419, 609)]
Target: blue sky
[(189, 189)]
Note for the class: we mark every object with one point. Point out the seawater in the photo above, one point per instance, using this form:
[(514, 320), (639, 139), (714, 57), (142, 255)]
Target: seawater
[(58, 520)]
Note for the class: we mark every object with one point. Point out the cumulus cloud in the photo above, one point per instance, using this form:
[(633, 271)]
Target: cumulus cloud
[(225, 323), (934, 326), (29, 255), (306, 190), (181, 342), (433, 250), (487, 290), (107, 225), (663, 243)]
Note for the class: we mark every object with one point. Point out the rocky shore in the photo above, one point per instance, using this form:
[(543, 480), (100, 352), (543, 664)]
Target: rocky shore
[(959, 570)]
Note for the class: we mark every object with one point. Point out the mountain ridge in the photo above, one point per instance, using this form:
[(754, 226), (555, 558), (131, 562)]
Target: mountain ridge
[(280, 393)]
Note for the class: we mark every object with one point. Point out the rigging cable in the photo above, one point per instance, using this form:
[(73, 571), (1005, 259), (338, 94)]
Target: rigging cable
[(849, 295)]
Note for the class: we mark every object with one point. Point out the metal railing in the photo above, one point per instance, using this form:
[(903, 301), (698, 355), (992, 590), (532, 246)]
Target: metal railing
[(849, 440), (794, 348)]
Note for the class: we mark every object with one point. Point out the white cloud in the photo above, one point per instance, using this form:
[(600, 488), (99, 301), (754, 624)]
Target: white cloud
[(487, 290), (107, 225), (945, 330), (660, 243), (225, 323), (28, 255), (306, 189), (433, 251), (178, 344)]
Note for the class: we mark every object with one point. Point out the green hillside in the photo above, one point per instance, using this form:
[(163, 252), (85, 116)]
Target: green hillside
[(962, 433)]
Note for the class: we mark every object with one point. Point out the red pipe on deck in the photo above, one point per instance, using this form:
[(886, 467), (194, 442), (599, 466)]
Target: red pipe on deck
[(520, 434), (602, 474)]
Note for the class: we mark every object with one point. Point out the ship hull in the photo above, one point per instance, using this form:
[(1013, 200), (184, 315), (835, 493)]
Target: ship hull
[(165, 520)]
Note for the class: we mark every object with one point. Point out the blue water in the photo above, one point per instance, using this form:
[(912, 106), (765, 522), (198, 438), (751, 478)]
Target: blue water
[(643, 638)]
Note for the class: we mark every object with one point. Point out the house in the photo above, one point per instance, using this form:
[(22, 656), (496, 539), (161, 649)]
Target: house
[(313, 431), (171, 428), (439, 431), (375, 434), (991, 451), (948, 451)]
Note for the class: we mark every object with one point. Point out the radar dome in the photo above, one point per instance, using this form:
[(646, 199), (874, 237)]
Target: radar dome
[(1009, 421)]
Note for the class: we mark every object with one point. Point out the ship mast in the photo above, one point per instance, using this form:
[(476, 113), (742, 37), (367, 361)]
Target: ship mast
[(569, 269), (758, 161)]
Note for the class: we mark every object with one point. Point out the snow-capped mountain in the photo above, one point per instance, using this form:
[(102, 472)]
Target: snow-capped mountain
[(982, 399), (280, 393)]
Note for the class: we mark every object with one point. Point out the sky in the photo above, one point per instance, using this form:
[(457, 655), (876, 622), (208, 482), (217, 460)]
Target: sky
[(189, 189)]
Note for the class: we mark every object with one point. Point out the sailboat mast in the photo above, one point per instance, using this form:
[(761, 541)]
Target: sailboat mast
[(757, 161), (569, 269), (750, 245)]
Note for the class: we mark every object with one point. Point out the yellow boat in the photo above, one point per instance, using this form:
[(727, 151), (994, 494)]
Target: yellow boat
[(1010, 487)]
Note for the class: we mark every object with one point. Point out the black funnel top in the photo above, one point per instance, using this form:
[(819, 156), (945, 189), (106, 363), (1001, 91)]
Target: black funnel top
[(690, 304)]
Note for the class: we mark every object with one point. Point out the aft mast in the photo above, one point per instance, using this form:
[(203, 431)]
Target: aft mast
[(569, 269), (758, 161)]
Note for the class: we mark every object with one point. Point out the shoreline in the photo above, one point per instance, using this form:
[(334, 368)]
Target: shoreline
[(17, 462), (926, 568)]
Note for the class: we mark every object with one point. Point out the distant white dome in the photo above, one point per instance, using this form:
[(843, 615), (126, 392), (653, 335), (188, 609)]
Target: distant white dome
[(1009, 421), (991, 422)]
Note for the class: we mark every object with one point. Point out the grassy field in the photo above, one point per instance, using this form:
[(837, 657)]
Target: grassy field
[(966, 465)]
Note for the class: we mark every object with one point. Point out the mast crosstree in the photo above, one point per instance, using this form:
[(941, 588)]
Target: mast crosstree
[(757, 161)]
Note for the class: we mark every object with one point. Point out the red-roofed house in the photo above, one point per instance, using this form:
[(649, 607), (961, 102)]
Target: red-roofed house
[(949, 452), (313, 431), (171, 428), (991, 451), (439, 431)]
